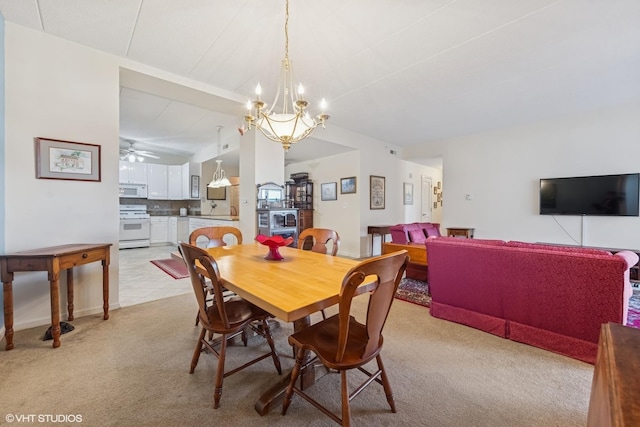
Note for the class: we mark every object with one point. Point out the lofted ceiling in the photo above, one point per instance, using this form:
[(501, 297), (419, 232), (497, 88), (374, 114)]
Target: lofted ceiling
[(405, 72)]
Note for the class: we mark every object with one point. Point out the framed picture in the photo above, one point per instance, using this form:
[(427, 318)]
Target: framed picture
[(407, 190), (348, 185), (376, 192), (219, 193), (57, 159), (195, 187), (329, 191)]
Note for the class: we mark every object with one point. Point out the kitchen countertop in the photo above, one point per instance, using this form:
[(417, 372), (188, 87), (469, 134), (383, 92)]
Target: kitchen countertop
[(217, 217)]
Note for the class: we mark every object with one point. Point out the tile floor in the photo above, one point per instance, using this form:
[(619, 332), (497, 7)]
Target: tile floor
[(141, 281)]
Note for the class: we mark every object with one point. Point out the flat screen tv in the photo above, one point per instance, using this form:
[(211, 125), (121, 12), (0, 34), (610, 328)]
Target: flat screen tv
[(607, 195)]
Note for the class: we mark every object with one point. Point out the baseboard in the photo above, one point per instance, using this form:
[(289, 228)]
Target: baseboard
[(43, 321), (2, 331)]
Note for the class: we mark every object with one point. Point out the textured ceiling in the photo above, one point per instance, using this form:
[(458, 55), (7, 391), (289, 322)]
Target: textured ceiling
[(405, 71)]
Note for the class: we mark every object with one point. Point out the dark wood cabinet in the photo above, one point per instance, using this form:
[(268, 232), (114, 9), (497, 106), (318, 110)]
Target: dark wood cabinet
[(615, 390), (299, 194), (306, 219)]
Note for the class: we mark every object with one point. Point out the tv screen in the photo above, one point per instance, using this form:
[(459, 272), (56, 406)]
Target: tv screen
[(613, 195)]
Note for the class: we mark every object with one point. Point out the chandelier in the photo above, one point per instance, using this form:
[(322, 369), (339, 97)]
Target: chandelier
[(219, 177), (286, 120)]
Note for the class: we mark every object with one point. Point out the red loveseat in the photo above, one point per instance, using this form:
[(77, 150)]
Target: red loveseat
[(551, 297)]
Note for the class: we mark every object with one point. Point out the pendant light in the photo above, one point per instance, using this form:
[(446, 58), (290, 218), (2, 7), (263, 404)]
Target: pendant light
[(219, 177)]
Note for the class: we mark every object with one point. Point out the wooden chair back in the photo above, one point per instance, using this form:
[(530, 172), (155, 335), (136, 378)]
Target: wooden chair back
[(319, 238), (196, 257), (214, 236), (387, 271)]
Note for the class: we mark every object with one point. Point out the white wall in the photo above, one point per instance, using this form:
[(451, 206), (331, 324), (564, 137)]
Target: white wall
[(501, 172), (60, 90), (350, 214)]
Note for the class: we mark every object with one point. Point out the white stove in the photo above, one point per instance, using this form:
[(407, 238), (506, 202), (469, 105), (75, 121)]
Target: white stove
[(134, 227)]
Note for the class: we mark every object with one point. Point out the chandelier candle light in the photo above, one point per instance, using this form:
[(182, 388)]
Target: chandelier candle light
[(219, 177), (289, 121)]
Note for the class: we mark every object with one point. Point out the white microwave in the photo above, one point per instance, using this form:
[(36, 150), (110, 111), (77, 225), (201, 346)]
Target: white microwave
[(138, 191)]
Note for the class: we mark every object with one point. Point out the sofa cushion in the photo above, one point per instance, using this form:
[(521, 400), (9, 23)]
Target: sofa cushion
[(417, 236), (432, 231)]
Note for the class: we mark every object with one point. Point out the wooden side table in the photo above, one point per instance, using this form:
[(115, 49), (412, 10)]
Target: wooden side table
[(53, 260), (382, 230), (460, 232)]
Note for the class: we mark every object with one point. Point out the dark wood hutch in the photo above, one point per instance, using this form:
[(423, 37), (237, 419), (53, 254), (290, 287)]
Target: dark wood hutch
[(299, 194)]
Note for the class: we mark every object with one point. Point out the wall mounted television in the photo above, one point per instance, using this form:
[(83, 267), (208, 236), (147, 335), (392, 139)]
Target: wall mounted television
[(605, 195)]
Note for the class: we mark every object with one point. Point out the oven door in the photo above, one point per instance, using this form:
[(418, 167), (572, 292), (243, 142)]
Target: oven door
[(134, 231)]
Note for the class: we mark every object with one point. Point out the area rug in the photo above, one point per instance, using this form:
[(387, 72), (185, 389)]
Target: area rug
[(414, 291), (633, 318), (173, 267)]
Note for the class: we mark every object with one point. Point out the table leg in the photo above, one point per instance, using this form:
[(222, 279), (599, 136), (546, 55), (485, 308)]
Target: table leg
[(55, 310), (274, 396), (8, 314), (105, 288), (70, 293)]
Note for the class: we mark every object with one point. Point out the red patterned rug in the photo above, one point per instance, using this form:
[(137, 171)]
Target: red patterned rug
[(633, 319), (174, 268), (414, 291)]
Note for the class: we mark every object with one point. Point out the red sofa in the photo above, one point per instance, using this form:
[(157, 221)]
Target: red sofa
[(415, 234), (551, 297)]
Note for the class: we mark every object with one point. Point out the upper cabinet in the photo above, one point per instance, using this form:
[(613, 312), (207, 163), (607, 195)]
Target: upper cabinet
[(133, 172), (157, 187), (191, 188), (173, 182)]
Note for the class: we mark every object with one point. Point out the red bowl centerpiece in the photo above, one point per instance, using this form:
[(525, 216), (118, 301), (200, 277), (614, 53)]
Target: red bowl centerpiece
[(274, 243)]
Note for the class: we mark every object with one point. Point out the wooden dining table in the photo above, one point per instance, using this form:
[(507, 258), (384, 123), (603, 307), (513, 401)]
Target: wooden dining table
[(292, 289)]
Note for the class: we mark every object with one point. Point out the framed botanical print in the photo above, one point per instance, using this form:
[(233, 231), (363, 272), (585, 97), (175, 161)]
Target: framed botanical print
[(407, 190), (376, 192)]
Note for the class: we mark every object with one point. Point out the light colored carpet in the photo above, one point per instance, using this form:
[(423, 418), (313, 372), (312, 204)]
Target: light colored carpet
[(133, 370)]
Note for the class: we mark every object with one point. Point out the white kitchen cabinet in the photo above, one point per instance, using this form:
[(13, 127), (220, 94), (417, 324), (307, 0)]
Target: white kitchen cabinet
[(174, 182), (172, 230), (133, 172), (157, 187), (159, 229), (183, 229), (188, 170)]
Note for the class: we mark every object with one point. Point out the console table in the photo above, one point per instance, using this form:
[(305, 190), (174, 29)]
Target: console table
[(53, 260), (382, 230), (460, 231)]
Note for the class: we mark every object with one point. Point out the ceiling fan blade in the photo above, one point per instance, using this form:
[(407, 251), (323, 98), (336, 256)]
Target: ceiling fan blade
[(146, 154)]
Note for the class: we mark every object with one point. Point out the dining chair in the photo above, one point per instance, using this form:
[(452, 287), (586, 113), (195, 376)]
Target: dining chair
[(342, 343), (227, 318), (213, 236), (315, 240)]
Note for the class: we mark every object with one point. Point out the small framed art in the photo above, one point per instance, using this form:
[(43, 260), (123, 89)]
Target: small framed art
[(407, 190), (329, 191), (348, 185), (376, 192), (57, 159)]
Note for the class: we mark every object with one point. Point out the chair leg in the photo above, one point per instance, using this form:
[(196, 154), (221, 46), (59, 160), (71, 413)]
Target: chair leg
[(346, 409), (217, 392), (197, 351), (294, 376), (274, 354), (386, 384), (197, 318)]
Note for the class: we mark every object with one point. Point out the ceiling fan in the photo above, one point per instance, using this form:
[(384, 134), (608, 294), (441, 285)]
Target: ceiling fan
[(132, 154)]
